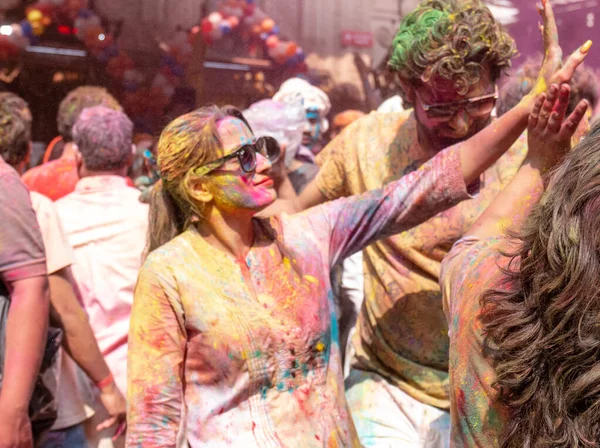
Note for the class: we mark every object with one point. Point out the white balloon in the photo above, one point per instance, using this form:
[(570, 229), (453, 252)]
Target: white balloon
[(215, 18)]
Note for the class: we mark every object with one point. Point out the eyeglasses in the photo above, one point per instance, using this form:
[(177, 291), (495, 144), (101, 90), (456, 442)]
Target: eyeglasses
[(246, 155), (479, 106)]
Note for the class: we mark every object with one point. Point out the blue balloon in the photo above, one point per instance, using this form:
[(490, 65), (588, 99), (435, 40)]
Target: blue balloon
[(169, 61), (250, 2), (112, 51), (264, 36), (276, 30), (130, 86), (225, 28), (85, 13), (178, 70), (27, 29), (103, 57)]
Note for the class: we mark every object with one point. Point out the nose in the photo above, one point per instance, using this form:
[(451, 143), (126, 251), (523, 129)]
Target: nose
[(262, 163), (460, 123)]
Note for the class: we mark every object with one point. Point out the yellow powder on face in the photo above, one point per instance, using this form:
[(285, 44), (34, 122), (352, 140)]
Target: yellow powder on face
[(311, 279)]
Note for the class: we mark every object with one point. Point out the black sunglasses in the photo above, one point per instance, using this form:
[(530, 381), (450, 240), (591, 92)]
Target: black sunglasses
[(246, 155)]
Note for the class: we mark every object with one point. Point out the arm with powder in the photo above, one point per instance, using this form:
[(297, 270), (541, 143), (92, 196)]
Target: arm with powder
[(356, 222), (80, 343), (156, 352), (66, 312), (23, 272)]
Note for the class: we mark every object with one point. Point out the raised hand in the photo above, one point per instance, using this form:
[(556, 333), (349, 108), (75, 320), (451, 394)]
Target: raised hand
[(552, 70), (549, 132)]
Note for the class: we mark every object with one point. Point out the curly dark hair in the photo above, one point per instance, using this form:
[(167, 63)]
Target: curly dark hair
[(543, 335), (451, 39), (15, 128), (77, 100)]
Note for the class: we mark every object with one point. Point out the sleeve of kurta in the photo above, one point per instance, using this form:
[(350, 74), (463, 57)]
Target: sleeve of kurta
[(357, 221), (157, 340)]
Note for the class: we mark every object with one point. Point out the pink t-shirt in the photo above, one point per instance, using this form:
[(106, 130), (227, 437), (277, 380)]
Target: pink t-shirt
[(106, 225)]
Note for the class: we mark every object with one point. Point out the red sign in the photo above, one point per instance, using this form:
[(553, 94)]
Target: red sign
[(357, 39)]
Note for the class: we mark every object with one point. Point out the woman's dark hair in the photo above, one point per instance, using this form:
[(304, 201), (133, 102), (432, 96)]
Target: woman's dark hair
[(543, 335)]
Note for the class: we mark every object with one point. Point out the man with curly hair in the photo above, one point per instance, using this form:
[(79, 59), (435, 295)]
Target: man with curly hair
[(447, 57), (58, 178)]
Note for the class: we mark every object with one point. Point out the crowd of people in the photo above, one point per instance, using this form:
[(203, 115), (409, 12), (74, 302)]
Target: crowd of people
[(423, 275)]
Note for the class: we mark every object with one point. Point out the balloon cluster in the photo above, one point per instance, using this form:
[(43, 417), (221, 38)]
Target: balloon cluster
[(256, 25), (147, 100), (138, 99)]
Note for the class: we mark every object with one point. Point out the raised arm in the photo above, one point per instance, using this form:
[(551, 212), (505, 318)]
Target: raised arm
[(549, 138), (157, 343)]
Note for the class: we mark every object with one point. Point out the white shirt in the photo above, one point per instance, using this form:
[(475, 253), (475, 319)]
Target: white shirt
[(106, 226)]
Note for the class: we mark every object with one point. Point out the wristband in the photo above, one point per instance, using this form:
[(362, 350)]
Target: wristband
[(105, 382)]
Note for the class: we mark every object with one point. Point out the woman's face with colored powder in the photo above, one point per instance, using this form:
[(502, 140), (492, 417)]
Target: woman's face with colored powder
[(232, 188)]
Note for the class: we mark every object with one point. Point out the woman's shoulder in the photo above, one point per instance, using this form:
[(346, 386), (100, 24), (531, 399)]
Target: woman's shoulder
[(170, 253)]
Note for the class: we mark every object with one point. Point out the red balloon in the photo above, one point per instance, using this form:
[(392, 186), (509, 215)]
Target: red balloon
[(272, 41), (206, 27), (291, 49), (233, 21)]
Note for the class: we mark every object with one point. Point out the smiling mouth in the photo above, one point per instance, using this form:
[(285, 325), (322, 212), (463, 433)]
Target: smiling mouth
[(266, 182)]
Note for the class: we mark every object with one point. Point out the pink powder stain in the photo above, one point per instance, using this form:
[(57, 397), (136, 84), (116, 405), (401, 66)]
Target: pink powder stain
[(233, 134)]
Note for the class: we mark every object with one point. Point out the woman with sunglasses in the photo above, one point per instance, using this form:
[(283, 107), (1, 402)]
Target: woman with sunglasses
[(233, 340)]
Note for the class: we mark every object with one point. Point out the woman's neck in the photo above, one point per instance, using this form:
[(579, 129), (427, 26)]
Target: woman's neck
[(231, 234)]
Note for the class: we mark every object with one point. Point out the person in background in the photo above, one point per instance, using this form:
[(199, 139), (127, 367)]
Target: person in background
[(66, 312), (57, 178), (343, 120), (523, 309), (317, 105), (106, 225), (143, 170), (584, 85), (233, 338), (398, 387), (24, 289)]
